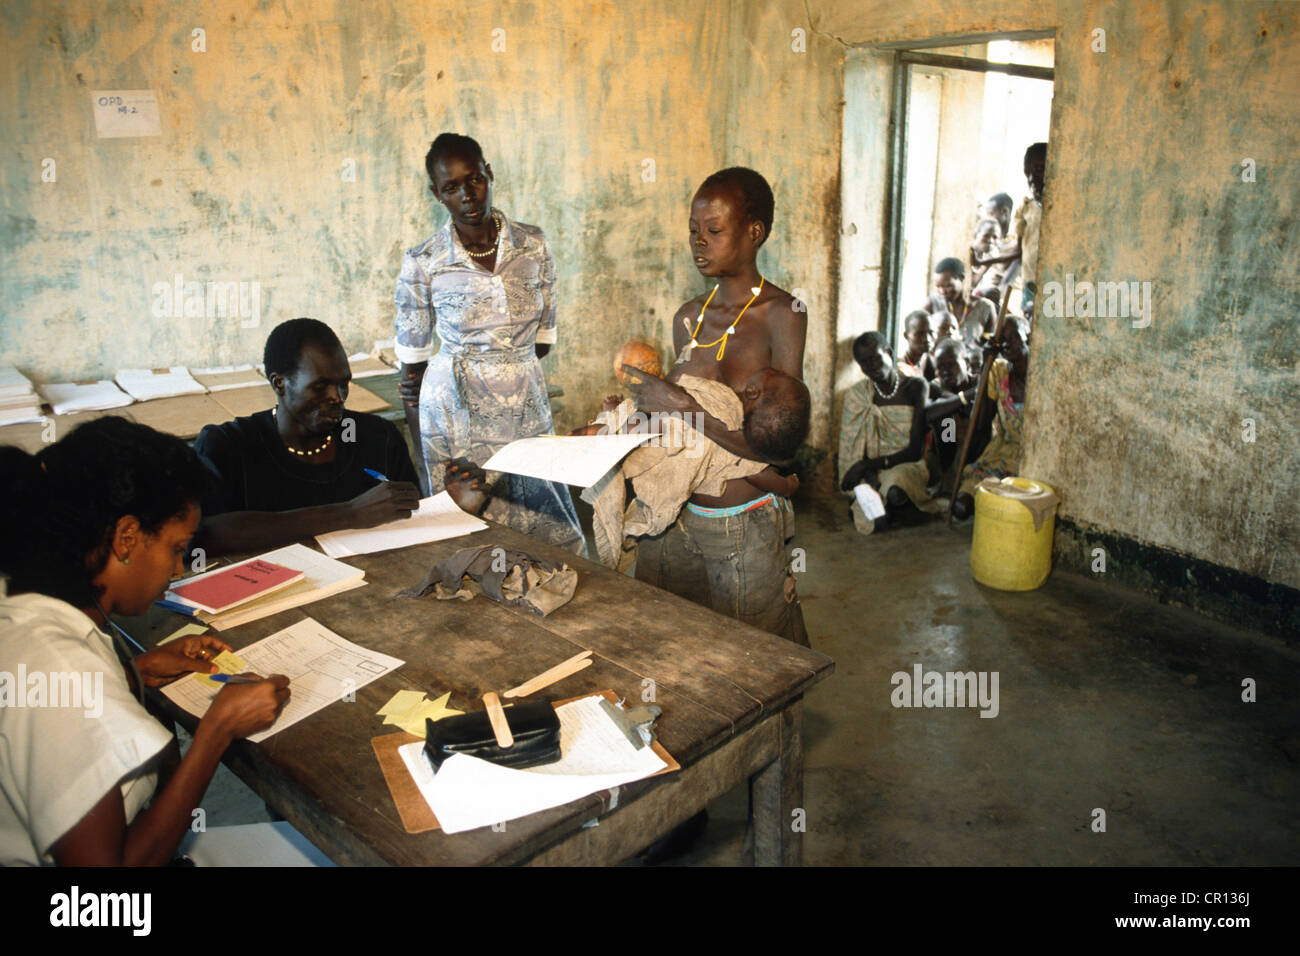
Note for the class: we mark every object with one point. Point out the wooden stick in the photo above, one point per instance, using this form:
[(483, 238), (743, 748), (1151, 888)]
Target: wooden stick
[(557, 673), (977, 407), (497, 715)]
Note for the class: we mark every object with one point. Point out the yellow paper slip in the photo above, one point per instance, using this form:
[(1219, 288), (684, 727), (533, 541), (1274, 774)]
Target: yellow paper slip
[(401, 702), (185, 630), (412, 720), (227, 663)]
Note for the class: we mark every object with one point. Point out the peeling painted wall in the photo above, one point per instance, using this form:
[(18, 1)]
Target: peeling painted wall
[(1144, 427), (247, 183)]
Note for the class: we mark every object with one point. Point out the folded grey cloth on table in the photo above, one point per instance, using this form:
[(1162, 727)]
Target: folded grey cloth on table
[(503, 574)]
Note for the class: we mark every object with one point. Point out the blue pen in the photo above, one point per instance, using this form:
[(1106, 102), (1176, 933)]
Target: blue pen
[(374, 474), (232, 679), (178, 608)]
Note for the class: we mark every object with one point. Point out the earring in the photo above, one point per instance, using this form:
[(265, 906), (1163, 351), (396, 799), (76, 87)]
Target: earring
[(126, 560)]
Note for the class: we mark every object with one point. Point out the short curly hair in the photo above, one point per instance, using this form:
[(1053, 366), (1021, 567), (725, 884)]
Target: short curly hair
[(287, 340), (760, 204)]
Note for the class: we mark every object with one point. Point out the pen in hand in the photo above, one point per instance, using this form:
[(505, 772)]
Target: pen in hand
[(232, 679), (374, 474)]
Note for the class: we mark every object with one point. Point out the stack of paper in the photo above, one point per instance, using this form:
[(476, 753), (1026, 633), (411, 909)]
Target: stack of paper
[(468, 792), (321, 666), (364, 366), (435, 519), (67, 397), (18, 400), (218, 591), (221, 378), (408, 709), (145, 384), (322, 577)]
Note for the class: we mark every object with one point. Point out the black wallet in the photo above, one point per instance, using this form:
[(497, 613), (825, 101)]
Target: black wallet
[(535, 727)]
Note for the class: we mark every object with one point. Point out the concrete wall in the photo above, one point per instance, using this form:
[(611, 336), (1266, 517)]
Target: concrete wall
[(246, 182)]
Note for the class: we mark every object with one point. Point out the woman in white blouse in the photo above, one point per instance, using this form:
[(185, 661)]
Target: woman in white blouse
[(97, 525), (475, 313)]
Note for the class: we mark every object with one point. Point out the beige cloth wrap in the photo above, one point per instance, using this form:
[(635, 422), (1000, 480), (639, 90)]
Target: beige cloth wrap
[(680, 463), (868, 430)]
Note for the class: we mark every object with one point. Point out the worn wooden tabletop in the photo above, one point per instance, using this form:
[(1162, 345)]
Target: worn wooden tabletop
[(713, 676)]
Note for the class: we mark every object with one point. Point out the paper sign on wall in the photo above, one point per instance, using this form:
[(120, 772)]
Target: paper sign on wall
[(121, 113)]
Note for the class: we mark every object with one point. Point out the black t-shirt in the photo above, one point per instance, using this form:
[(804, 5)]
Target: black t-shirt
[(255, 472)]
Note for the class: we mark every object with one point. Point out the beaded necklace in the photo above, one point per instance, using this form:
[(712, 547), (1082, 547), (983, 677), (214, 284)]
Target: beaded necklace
[(329, 440), (496, 219), (721, 341)]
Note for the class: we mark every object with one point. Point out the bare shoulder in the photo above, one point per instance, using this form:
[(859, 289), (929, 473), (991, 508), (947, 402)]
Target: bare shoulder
[(683, 319), (774, 297), (693, 306), (689, 310), (782, 310), (786, 319)]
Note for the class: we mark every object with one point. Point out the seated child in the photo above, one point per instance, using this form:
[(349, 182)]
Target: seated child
[(773, 411), (917, 359), (952, 395)]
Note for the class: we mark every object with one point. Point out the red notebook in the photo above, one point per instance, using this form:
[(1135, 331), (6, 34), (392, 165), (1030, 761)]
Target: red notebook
[(232, 586)]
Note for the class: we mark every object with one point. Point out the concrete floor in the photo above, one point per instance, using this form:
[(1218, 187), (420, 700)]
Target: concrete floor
[(1106, 700)]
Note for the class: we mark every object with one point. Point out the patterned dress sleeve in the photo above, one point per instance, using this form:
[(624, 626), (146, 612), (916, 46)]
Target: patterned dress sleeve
[(414, 314), (546, 274)]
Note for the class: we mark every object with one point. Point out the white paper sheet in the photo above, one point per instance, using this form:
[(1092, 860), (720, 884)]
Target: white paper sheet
[(435, 519), (365, 365), (146, 384), (15, 386), (121, 113), (321, 666), (468, 793), (580, 460), (67, 397), (20, 415), (869, 500), (222, 378)]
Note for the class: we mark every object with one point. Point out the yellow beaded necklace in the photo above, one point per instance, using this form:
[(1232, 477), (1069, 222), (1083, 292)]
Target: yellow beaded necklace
[(731, 329)]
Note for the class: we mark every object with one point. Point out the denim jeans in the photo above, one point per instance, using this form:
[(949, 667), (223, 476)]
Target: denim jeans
[(737, 565)]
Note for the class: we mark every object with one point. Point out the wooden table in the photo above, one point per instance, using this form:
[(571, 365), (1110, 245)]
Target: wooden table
[(731, 699)]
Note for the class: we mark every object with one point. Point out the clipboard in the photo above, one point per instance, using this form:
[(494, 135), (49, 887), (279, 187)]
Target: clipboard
[(411, 806)]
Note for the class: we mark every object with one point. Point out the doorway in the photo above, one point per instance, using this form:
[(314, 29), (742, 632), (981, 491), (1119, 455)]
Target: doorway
[(962, 118)]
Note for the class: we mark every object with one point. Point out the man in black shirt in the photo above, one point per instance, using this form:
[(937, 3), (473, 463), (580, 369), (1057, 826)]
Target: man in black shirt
[(301, 468)]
